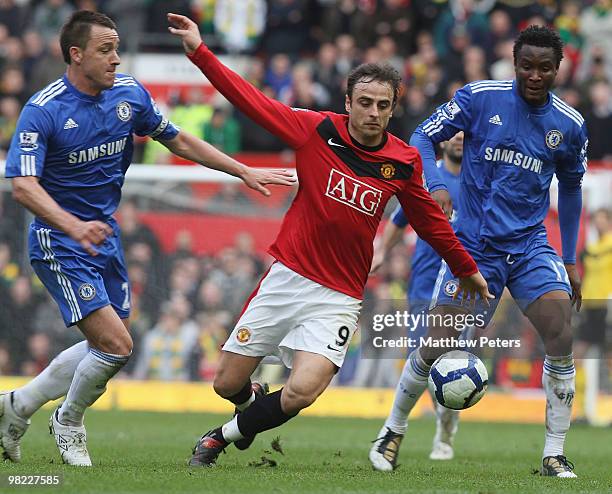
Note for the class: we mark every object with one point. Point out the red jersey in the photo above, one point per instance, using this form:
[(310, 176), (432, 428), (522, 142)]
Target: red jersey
[(327, 235)]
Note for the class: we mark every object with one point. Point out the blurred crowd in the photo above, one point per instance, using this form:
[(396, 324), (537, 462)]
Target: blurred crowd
[(184, 304), (302, 50)]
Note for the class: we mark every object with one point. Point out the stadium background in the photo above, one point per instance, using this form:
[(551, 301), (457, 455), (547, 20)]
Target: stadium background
[(195, 243)]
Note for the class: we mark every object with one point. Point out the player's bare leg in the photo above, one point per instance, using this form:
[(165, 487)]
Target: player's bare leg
[(413, 381), (233, 373), (110, 346), (551, 316), (310, 375)]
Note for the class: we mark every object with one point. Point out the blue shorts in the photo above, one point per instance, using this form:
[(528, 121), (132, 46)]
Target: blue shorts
[(78, 282), (527, 276)]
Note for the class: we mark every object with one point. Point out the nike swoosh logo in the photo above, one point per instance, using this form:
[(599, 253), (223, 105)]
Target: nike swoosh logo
[(331, 142), (329, 346)]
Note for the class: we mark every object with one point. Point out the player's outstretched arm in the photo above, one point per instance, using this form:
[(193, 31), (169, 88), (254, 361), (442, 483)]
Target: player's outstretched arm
[(191, 148), (29, 193), (292, 126)]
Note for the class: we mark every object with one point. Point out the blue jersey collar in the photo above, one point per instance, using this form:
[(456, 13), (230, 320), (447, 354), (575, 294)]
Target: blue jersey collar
[(79, 94), (534, 110)]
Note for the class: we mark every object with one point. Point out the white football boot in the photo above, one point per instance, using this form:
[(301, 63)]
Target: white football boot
[(12, 428), (71, 442), (441, 451), (385, 450)]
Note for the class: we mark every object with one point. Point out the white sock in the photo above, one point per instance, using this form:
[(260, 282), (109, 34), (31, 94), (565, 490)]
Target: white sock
[(230, 431), (558, 381), (52, 383), (447, 423), (88, 384), (243, 406), (410, 387)]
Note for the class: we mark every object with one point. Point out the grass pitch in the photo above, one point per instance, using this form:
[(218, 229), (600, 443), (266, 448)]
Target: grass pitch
[(148, 453)]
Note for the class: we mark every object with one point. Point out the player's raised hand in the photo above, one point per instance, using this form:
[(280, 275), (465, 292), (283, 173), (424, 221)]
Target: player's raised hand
[(443, 198), (257, 178), (576, 284), (90, 233), (187, 30), (472, 285)]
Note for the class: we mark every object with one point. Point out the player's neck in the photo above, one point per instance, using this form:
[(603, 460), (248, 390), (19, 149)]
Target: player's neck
[(452, 166), (363, 140), (81, 82)]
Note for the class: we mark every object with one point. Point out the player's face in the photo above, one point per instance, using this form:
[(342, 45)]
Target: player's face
[(369, 111), (100, 57), (453, 148), (536, 69)]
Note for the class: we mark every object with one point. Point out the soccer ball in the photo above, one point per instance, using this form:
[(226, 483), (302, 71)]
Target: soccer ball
[(458, 379)]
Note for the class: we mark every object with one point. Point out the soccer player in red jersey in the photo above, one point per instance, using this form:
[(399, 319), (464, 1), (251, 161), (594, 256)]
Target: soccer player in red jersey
[(305, 308)]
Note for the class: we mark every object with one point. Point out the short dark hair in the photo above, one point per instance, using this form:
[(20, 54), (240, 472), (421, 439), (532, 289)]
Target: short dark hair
[(77, 29), (541, 36), (368, 72)]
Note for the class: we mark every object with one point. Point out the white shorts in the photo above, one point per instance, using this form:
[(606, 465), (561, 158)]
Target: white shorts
[(288, 312)]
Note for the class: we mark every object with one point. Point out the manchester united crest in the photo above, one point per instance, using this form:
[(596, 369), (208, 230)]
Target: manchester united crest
[(243, 335), (387, 170)]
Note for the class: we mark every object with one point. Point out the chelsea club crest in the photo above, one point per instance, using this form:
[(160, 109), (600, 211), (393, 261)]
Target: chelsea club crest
[(87, 291), (554, 139), (451, 287), (124, 111)]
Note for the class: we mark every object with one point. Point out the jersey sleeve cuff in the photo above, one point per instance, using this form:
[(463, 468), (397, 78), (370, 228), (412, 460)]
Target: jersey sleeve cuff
[(465, 269), (197, 56), (435, 187)]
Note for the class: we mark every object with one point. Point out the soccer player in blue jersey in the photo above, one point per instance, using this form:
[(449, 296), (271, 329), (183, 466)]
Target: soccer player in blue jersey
[(518, 134), (425, 264), (67, 160)]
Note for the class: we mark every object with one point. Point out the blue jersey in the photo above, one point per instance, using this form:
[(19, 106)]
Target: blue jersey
[(511, 152), (81, 146), (425, 260)]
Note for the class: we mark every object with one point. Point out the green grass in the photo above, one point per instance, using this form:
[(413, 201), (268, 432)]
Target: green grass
[(148, 452)]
